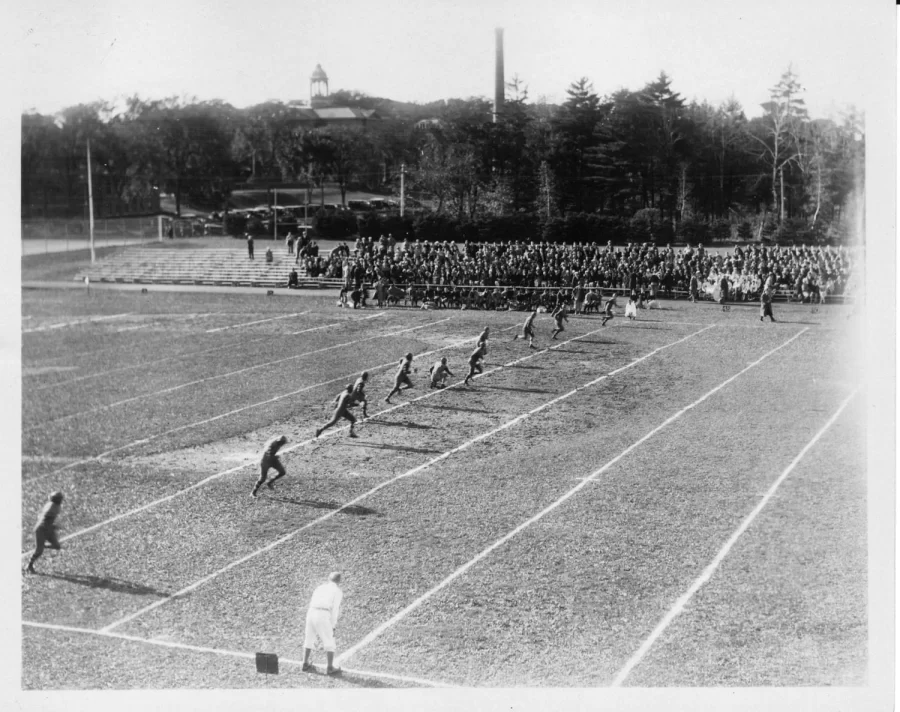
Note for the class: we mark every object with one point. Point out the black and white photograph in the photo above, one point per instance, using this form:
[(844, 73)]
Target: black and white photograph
[(501, 355)]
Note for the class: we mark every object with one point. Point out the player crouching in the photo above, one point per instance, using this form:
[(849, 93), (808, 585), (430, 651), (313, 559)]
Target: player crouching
[(439, 372), (270, 460)]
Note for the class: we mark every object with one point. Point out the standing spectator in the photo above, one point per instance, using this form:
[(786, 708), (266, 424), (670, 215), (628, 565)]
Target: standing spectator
[(321, 620), (45, 530), (765, 301), (250, 245), (171, 231), (289, 240)]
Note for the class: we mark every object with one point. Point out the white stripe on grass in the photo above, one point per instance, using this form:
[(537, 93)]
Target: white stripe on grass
[(396, 618), (76, 322), (258, 321), (386, 483), (232, 470), (704, 577), (220, 651), (172, 389), (143, 364)]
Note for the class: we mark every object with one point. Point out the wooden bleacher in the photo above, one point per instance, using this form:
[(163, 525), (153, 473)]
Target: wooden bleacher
[(212, 266)]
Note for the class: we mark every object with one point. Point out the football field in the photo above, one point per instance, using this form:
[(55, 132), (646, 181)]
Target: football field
[(676, 501)]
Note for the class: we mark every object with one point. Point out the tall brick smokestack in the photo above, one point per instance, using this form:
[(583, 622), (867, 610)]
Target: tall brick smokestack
[(499, 83)]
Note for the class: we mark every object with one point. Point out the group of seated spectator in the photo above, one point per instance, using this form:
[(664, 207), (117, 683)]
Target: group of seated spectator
[(809, 273)]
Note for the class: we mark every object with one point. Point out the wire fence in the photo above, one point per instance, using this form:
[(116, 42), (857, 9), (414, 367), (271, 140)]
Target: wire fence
[(44, 235)]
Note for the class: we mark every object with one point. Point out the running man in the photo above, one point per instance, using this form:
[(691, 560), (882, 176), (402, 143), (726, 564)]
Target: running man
[(343, 401), (359, 393), (270, 460), (560, 316), (402, 376), (608, 310), (45, 530), (483, 338), (439, 372), (528, 329), (475, 365)]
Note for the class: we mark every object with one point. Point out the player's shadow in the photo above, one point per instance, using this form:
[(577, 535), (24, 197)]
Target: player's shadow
[(570, 351), (451, 407), (518, 390), (400, 424), (354, 509), (529, 368), (592, 341), (398, 448), (110, 584)]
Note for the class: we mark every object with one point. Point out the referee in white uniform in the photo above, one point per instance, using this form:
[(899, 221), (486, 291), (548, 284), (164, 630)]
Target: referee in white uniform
[(321, 619)]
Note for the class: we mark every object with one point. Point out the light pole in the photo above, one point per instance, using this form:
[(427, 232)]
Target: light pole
[(402, 188)]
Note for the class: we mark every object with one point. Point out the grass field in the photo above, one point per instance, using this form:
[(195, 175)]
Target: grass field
[(677, 501)]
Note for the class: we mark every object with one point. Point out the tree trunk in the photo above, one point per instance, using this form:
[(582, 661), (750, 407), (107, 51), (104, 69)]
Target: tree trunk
[(781, 181)]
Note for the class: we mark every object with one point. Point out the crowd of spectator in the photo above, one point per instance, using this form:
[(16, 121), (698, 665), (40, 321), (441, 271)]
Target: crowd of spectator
[(810, 273)]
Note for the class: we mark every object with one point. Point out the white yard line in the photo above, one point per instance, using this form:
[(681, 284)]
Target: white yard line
[(228, 374), (238, 468), (547, 510), (62, 325), (187, 354), (227, 653), (258, 321), (396, 478), (679, 605)]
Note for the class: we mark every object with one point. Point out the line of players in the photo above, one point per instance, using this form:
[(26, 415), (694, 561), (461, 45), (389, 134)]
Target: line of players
[(355, 393)]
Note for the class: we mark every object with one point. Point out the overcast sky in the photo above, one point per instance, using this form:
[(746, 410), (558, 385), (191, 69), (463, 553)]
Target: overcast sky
[(76, 51)]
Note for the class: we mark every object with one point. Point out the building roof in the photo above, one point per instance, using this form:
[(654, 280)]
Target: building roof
[(318, 74), (343, 112)]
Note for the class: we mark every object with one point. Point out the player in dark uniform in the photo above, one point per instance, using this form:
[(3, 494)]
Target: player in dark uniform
[(559, 316), (402, 376), (528, 329), (608, 310), (359, 393), (765, 304), (45, 530), (270, 460), (475, 362), (483, 338), (439, 372), (343, 401)]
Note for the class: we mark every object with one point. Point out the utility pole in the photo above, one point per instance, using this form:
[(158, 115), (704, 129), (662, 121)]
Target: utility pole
[(275, 214), (90, 200), (402, 188)]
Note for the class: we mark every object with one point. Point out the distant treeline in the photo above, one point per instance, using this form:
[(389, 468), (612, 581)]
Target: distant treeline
[(636, 164)]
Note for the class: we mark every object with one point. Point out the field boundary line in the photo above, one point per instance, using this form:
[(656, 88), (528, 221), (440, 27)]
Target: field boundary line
[(546, 510), (409, 473), (86, 377), (172, 389), (237, 468), (221, 651), (258, 321), (77, 322), (259, 404), (707, 573)]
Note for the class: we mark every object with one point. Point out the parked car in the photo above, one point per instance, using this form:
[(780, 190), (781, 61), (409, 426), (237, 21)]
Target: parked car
[(363, 206)]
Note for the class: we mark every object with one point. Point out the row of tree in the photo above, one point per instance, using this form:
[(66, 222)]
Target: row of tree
[(635, 153)]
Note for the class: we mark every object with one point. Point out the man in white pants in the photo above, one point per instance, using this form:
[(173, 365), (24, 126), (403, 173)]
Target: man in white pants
[(321, 619)]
